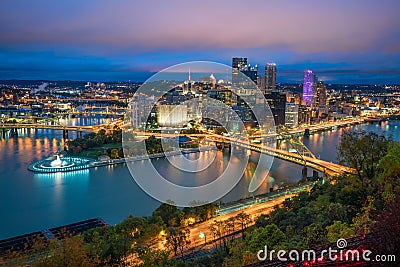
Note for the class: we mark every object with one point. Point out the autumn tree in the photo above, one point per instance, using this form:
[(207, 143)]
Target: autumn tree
[(386, 229), (68, 250)]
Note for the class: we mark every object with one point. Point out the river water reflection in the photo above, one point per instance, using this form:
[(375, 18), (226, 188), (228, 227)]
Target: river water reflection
[(31, 202)]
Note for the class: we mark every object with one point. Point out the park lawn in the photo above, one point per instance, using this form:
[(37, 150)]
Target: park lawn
[(92, 152)]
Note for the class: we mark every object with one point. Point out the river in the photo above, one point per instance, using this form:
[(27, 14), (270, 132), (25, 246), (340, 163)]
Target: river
[(31, 201)]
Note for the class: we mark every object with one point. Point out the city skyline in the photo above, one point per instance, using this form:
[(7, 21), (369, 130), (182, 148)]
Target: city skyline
[(343, 42), (199, 133)]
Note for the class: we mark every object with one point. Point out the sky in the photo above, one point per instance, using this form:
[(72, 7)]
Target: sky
[(343, 41)]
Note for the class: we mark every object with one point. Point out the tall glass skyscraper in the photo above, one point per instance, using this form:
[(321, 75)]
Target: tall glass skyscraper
[(238, 64), (308, 87), (270, 77), (321, 94)]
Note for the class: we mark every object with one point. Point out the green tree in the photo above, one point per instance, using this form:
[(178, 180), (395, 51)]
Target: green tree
[(362, 151), (114, 153), (153, 257), (244, 220), (364, 220), (236, 249), (112, 244), (153, 145), (219, 130), (178, 239), (269, 235), (168, 213), (218, 231), (315, 235), (339, 230), (389, 167)]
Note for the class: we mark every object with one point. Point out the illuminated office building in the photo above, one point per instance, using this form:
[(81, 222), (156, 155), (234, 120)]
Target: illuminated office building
[(270, 77), (321, 94), (172, 115), (308, 87), (291, 115)]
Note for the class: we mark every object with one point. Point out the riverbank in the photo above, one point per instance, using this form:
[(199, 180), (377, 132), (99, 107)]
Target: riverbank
[(86, 163), (256, 202)]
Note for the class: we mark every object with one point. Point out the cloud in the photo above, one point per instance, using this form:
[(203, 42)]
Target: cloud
[(139, 26), (124, 36)]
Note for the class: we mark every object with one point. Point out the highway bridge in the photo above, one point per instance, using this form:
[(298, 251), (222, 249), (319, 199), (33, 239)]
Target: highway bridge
[(88, 113), (46, 126), (327, 168)]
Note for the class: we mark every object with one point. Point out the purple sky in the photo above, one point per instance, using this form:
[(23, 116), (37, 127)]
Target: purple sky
[(342, 41)]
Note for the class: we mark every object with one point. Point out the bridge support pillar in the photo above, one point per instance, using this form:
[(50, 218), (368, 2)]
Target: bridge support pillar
[(65, 134), (325, 178), (228, 146), (4, 133), (304, 173), (79, 134), (307, 132), (315, 174)]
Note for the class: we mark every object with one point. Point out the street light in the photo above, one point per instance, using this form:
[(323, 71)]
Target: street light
[(203, 235), (162, 233)]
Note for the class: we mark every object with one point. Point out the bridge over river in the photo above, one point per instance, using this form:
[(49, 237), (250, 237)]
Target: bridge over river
[(325, 167)]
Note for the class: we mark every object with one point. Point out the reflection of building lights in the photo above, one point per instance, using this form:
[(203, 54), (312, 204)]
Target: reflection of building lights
[(78, 174)]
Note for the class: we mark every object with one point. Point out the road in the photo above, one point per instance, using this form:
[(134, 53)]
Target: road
[(253, 211)]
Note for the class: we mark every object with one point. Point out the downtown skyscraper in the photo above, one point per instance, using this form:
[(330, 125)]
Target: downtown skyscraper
[(238, 64), (321, 96), (309, 85), (270, 77)]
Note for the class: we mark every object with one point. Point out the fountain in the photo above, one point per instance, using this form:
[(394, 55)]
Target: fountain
[(57, 162), (66, 163)]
